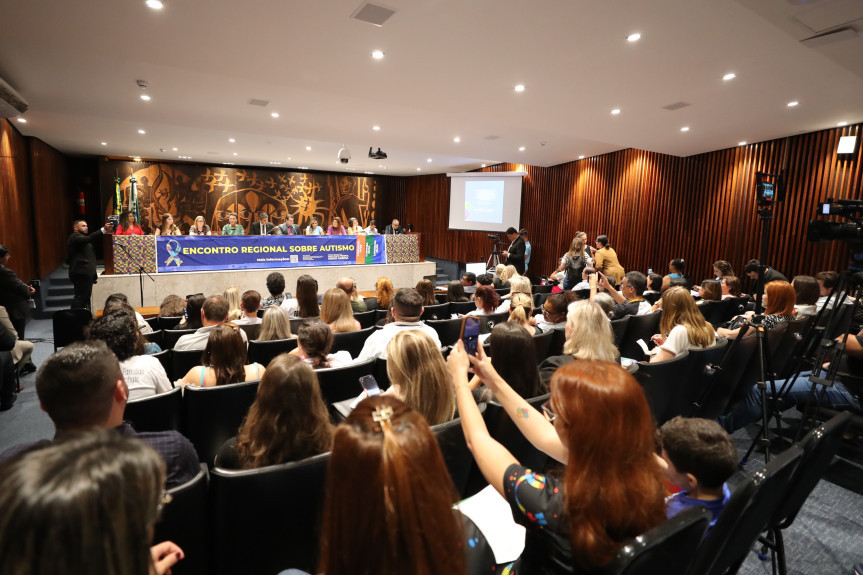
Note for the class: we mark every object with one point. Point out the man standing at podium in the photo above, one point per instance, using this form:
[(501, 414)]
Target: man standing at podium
[(82, 260)]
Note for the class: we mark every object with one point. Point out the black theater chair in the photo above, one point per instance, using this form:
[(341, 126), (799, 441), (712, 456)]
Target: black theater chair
[(155, 413), (186, 522), (170, 336), (366, 318), (351, 341), (341, 383), (212, 415), (440, 311), (263, 352), (182, 361)]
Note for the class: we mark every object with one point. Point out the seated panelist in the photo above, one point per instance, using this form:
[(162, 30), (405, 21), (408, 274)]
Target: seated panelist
[(262, 227), (232, 228)]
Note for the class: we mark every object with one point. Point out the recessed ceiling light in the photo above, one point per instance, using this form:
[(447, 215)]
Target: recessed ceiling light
[(840, 124), (302, 167), (729, 76), (684, 129), (155, 4), (308, 148), (378, 54), (370, 173), (633, 37), (22, 120), (289, 158), (136, 159), (429, 160), (145, 97), (419, 169), (376, 128), (743, 143), (275, 163), (142, 132), (519, 88), (103, 143), (236, 153), (175, 149), (615, 111), (482, 165), (581, 157), (521, 148), (232, 140), (792, 104), (228, 163), (456, 139), (274, 114), (380, 165)]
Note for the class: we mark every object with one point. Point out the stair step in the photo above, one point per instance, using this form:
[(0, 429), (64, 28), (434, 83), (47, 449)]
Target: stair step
[(60, 291)]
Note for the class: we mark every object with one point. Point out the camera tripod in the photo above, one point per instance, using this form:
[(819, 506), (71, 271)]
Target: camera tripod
[(494, 257)]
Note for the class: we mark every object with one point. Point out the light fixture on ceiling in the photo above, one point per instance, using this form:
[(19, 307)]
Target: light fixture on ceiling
[(615, 111), (103, 143), (308, 148), (145, 97), (369, 173), (274, 114), (519, 88), (155, 4), (429, 160), (633, 37), (175, 149), (142, 132), (743, 143), (456, 139), (521, 148), (841, 124), (136, 159), (378, 54), (419, 169), (376, 128), (684, 129), (792, 104), (729, 76), (236, 153), (232, 140), (581, 157), (482, 165), (22, 119)]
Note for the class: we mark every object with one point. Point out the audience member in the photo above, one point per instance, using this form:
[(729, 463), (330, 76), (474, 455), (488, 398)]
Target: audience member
[(214, 312), (275, 325), (425, 288), (192, 318), (628, 300), (486, 300), (828, 282), (770, 274), (287, 422), (314, 341), (468, 280), (722, 268), (527, 248), (654, 284), (21, 350), (349, 286), (305, 302), (588, 336), (455, 292), (250, 304), (676, 267), (553, 314), (606, 303), (730, 286), (682, 326), (711, 290), (8, 389), (171, 306), (599, 424), (87, 503), (224, 360), (778, 301), (605, 260), (15, 295), (418, 376), (520, 312), (384, 292), (485, 279), (387, 480), (700, 457), (232, 294), (144, 374), (584, 284), (336, 311), (588, 249), (512, 353), (501, 277), (512, 272), (572, 264), (807, 293), (120, 298), (519, 284), (81, 387), (514, 254), (407, 309), (276, 287)]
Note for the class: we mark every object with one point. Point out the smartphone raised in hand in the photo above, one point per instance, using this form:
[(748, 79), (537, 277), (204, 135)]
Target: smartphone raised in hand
[(470, 333)]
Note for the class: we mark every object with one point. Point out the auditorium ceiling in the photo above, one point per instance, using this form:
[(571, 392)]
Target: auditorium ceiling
[(449, 71)]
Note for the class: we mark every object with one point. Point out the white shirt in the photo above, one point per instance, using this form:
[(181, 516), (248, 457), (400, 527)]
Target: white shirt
[(198, 340), (338, 359), (376, 344), (246, 320), (143, 326), (144, 376), (678, 341), (371, 231), (292, 306)]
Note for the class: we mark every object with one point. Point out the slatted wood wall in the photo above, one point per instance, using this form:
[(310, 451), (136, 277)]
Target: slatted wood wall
[(15, 205), (656, 207), (53, 203)]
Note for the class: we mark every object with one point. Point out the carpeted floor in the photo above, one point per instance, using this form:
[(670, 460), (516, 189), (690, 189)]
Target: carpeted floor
[(826, 538)]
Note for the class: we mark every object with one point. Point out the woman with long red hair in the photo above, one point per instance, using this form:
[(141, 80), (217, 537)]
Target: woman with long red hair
[(778, 301), (598, 423)]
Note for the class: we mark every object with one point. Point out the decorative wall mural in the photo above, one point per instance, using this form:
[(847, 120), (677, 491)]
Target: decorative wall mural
[(187, 191)]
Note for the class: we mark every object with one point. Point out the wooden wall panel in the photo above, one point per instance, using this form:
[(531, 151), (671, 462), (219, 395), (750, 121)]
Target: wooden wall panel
[(655, 207), (17, 231), (53, 204)]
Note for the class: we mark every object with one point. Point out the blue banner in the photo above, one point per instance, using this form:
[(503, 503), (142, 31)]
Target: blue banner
[(197, 253)]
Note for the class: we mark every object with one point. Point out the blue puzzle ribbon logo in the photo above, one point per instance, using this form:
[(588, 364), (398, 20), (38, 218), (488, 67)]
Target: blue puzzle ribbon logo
[(173, 247)]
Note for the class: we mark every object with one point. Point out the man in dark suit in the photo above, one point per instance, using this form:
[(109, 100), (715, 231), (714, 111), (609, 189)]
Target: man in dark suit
[(289, 228), (82, 261), (14, 294), (394, 228), (514, 254), (262, 227)]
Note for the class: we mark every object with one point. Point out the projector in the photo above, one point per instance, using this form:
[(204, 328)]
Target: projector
[(377, 155)]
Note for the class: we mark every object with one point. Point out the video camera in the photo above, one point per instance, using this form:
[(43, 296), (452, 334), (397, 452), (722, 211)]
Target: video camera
[(824, 230)]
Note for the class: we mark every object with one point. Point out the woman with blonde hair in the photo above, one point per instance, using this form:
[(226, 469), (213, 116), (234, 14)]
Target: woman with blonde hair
[(200, 228), (418, 376), (275, 325), (232, 294), (384, 289), (287, 422), (572, 263), (520, 311), (501, 277), (336, 311), (683, 326), (511, 272), (519, 284), (588, 336)]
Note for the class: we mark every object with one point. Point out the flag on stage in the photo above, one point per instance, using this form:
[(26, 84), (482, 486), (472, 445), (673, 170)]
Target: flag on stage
[(118, 198), (133, 199)]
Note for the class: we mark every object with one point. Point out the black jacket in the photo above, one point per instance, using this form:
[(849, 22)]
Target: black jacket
[(81, 257), (516, 254), (14, 294), (255, 228), (390, 231)]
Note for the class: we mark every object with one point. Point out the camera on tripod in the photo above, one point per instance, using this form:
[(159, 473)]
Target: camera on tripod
[(824, 230)]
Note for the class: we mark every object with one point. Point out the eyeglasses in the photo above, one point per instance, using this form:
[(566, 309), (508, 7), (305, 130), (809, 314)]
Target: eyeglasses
[(546, 312), (164, 499), (548, 412)]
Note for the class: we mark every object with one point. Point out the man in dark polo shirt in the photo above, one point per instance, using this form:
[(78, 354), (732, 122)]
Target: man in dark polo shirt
[(629, 300)]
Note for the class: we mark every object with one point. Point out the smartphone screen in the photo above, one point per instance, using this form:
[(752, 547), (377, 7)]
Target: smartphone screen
[(370, 384), (470, 333)]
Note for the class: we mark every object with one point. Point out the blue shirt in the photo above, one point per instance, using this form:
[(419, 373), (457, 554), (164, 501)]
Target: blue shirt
[(680, 501), (318, 231), (526, 254)]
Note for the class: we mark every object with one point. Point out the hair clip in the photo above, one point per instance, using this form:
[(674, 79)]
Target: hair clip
[(383, 413)]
